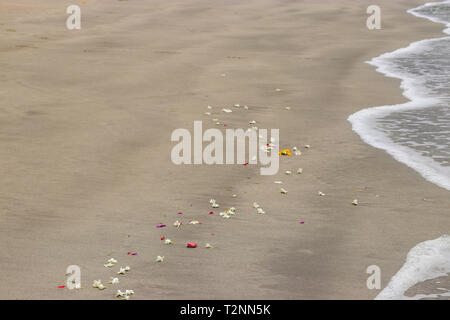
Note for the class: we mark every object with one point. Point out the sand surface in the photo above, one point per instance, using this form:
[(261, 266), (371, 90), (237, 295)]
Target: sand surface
[(85, 124)]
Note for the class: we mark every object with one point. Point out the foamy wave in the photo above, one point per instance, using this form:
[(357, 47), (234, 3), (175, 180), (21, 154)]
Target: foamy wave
[(416, 12), (427, 260), (364, 121)]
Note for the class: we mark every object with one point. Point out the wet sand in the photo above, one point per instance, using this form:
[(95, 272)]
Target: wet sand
[(85, 124)]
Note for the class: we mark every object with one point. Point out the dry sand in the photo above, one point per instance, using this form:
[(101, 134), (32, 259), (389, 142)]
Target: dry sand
[(85, 124)]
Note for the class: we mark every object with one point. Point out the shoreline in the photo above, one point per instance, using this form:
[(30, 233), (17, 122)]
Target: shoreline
[(97, 146), (363, 120)]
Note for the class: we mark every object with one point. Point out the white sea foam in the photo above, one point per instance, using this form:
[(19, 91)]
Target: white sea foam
[(416, 12), (364, 122), (427, 260)]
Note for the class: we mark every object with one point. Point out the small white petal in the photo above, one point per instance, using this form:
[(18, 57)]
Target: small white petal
[(114, 280)]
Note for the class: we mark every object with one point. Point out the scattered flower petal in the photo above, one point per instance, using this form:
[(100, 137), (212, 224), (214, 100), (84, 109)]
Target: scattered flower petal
[(285, 152)]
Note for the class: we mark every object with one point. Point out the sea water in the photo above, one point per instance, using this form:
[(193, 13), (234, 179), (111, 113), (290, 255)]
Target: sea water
[(417, 133)]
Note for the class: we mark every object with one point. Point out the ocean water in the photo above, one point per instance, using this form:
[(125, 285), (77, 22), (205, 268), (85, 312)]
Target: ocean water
[(416, 133)]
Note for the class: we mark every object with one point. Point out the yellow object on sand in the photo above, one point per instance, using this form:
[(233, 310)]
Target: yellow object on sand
[(285, 152)]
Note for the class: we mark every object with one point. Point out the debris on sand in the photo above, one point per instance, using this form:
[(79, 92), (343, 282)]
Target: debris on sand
[(285, 152), (258, 208), (160, 259), (98, 284), (110, 262), (283, 191), (124, 295), (213, 203), (296, 151), (228, 213), (123, 270), (191, 245), (355, 202)]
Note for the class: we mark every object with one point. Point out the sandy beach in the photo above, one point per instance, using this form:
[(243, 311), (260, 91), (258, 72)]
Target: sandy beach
[(85, 123)]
